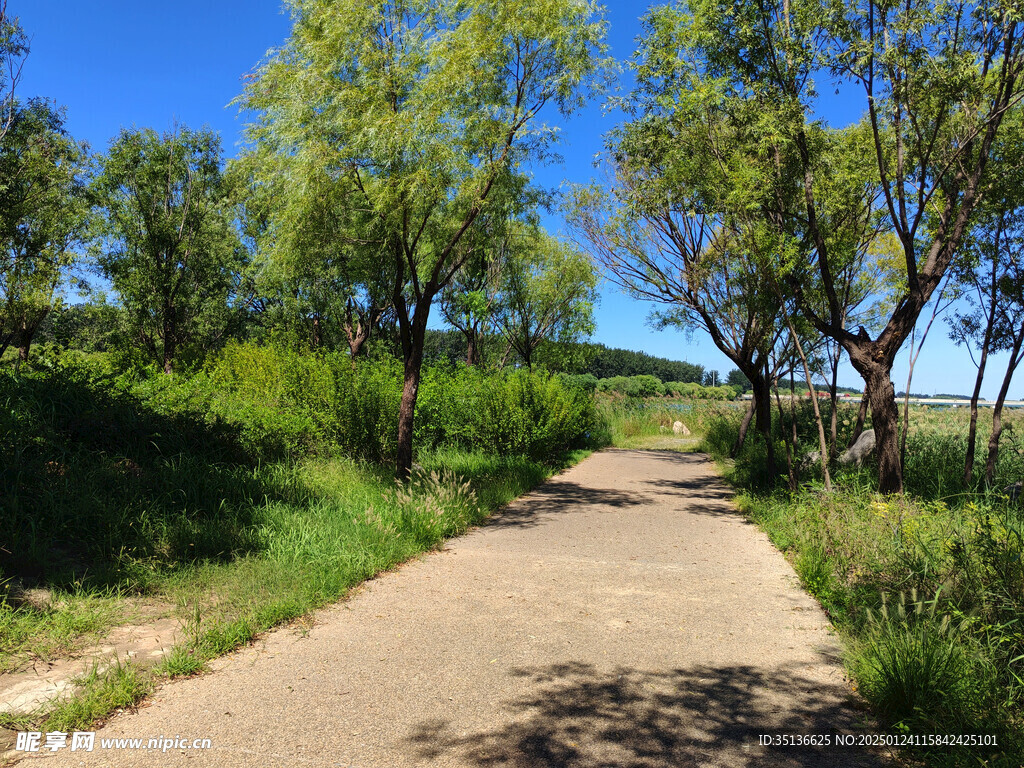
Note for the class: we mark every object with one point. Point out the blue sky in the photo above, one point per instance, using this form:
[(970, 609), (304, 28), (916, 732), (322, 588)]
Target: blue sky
[(123, 63)]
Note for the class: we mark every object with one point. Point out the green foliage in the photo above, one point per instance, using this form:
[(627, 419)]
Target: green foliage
[(914, 667), (547, 292), (947, 654), (43, 215), (165, 240), (650, 386), (738, 380), (117, 484), (14, 46), (100, 692), (284, 402)]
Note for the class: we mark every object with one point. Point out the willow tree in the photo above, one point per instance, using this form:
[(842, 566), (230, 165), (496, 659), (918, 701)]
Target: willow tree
[(13, 49), (936, 80), (548, 290), (316, 262), (426, 114)]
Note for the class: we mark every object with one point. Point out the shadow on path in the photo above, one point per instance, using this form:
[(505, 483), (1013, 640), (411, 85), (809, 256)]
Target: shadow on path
[(576, 716), (562, 496)]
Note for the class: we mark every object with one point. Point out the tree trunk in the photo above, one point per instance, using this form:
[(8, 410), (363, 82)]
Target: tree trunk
[(997, 410), (986, 342), (472, 353), (833, 396), (862, 413), (412, 351), (822, 444), (28, 332), (885, 421), (407, 409), (790, 471), (741, 438), (170, 340), (317, 335), (762, 392), (972, 431)]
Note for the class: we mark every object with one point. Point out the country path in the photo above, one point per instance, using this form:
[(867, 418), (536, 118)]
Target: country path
[(622, 615)]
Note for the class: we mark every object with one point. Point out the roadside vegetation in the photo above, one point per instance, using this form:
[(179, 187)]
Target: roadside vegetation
[(926, 589), (244, 495), (213, 371)]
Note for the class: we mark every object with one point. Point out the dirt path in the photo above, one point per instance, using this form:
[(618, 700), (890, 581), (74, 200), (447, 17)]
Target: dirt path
[(621, 615)]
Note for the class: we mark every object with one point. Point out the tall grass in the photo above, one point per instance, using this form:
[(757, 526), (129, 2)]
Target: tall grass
[(927, 589)]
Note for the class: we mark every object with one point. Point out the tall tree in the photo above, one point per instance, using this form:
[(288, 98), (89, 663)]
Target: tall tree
[(314, 258), (427, 113), (165, 239), (667, 237), (548, 291), (469, 301), (43, 214), (13, 49), (988, 270), (937, 79)]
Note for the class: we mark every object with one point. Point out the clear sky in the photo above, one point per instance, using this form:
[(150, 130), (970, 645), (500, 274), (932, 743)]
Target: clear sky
[(123, 63)]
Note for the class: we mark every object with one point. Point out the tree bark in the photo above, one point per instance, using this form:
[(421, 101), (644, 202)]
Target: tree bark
[(833, 396), (170, 339), (28, 332), (822, 445), (972, 431), (986, 342), (997, 410), (761, 388), (410, 389), (862, 414), (741, 438), (885, 421), (790, 472)]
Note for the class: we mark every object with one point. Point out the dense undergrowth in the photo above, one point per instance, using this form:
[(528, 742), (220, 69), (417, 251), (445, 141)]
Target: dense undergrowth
[(246, 494), (927, 588)]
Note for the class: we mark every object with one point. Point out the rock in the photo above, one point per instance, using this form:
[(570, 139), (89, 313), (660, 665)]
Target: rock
[(1014, 490), (860, 450), (812, 458), (680, 429), (19, 594)]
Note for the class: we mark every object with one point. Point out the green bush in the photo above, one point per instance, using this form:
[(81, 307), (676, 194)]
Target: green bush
[(286, 403)]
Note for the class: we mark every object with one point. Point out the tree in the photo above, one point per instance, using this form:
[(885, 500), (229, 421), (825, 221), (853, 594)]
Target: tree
[(469, 300), (314, 259), (989, 271), (605, 363), (548, 291), (425, 113), (937, 79), (660, 233), (43, 214), (735, 378), (13, 49), (165, 240)]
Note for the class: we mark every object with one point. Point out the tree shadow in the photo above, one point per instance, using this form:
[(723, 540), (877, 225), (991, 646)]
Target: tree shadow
[(558, 497), (703, 488), (98, 489), (575, 715)]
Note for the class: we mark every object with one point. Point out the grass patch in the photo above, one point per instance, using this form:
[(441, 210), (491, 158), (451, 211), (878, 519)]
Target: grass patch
[(99, 694), (68, 622)]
